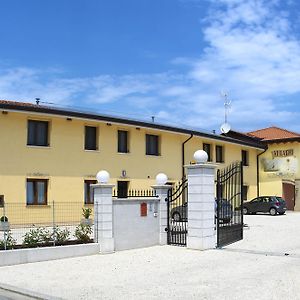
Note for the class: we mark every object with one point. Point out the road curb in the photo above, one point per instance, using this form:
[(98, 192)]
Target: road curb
[(27, 293)]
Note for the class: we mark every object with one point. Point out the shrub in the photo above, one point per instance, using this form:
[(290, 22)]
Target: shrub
[(4, 219), (61, 235), (10, 242), (86, 212), (82, 232), (37, 236)]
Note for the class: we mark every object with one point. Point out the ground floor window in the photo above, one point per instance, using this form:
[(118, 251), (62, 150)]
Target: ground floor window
[(88, 192), (36, 191), (123, 189), (245, 192)]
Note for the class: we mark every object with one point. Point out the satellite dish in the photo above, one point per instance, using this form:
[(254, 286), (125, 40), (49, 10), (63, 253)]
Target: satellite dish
[(225, 128)]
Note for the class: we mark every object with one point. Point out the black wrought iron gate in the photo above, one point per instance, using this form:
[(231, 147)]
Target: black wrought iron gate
[(229, 204), (177, 214)]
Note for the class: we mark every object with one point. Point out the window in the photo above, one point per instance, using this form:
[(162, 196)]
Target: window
[(245, 192), (207, 149), (90, 138), (37, 134), (88, 192), (36, 191), (152, 144), (219, 154), (122, 141), (122, 189), (245, 158)]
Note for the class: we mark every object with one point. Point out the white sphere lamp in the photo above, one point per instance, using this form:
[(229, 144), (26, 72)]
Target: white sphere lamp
[(200, 156), (102, 176), (161, 179)]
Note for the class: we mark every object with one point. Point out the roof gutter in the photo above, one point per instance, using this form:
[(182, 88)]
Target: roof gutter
[(257, 170), (183, 153)]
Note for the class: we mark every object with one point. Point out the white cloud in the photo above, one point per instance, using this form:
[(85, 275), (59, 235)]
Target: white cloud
[(251, 51)]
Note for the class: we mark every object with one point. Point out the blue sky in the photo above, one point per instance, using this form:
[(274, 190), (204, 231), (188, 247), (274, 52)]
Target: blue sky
[(165, 58)]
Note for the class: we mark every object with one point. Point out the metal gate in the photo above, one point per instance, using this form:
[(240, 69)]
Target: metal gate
[(177, 214), (229, 208)]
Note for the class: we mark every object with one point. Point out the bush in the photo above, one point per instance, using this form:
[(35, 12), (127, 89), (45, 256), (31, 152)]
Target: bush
[(86, 212), (82, 232), (61, 235), (10, 242), (4, 219), (37, 236)]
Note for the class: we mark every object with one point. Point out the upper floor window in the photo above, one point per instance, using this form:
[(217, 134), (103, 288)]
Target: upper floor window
[(152, 144), (90, 141), (207, 149), (219, 154), (245, 158), (123, 141), (37, 134), (36, 191), (88, 192)]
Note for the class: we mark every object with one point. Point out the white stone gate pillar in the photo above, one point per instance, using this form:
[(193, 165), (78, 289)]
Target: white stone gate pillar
[(161, 189), (201, 203), (103, 213)]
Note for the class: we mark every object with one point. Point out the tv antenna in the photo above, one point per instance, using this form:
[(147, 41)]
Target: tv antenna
[(225, 127)]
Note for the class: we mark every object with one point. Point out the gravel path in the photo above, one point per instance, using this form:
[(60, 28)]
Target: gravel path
[(255, 268)]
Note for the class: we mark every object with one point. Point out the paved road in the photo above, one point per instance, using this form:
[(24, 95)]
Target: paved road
[(255, 268)]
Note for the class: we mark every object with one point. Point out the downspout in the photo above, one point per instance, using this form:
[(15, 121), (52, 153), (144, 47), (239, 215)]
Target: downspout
[(257, 169), (183, 156)]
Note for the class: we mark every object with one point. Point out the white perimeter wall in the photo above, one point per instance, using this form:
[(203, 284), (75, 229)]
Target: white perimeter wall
[(130, 230)]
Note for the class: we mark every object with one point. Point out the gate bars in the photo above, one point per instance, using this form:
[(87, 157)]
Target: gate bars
[(177, 214), (229, 204)]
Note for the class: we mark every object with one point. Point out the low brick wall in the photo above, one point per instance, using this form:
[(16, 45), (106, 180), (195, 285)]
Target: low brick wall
[(22, 256)]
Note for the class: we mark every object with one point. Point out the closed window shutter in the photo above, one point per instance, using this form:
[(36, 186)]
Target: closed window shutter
[(90, 138)]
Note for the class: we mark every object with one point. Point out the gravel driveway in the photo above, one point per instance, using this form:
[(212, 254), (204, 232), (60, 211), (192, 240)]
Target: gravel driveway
[(265, 265)]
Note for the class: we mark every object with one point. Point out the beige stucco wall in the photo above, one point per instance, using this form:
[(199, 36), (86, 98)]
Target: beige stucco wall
[(66, 164)]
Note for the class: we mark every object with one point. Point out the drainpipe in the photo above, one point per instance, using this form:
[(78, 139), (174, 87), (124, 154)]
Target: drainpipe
[(183, 157), (257, 169)]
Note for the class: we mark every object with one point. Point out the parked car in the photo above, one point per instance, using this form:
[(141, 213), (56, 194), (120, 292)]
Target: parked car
[(179, 213), (266, 204)]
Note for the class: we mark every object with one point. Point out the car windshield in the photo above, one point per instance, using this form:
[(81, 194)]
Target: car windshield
[(279, 199)]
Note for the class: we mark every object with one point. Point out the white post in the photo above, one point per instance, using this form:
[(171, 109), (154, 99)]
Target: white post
[(201, 206), (103, 210), (161, 189), (162, 192)]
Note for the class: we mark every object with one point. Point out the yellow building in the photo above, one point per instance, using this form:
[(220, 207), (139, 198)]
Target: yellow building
[(279, 172), (52, 154)]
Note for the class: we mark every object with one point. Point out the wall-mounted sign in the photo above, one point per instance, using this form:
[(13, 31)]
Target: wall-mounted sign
[(283, 153)]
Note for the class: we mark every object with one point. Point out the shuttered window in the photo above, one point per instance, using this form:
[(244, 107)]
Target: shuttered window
[(219, 154), (152, 144), (37, 134), (122, 141), (207, 149), (90, 138)]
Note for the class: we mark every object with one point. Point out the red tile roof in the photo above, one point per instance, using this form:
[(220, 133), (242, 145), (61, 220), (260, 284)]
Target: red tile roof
[(274, 133)]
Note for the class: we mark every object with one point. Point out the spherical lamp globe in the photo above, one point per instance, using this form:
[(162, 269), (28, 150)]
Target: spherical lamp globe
[(161, 179), (200, 156), (102, 176)]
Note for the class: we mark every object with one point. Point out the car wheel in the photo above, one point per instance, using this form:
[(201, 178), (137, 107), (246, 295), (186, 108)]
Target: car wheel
[(273, 211), (245, 211), (176, 216)]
